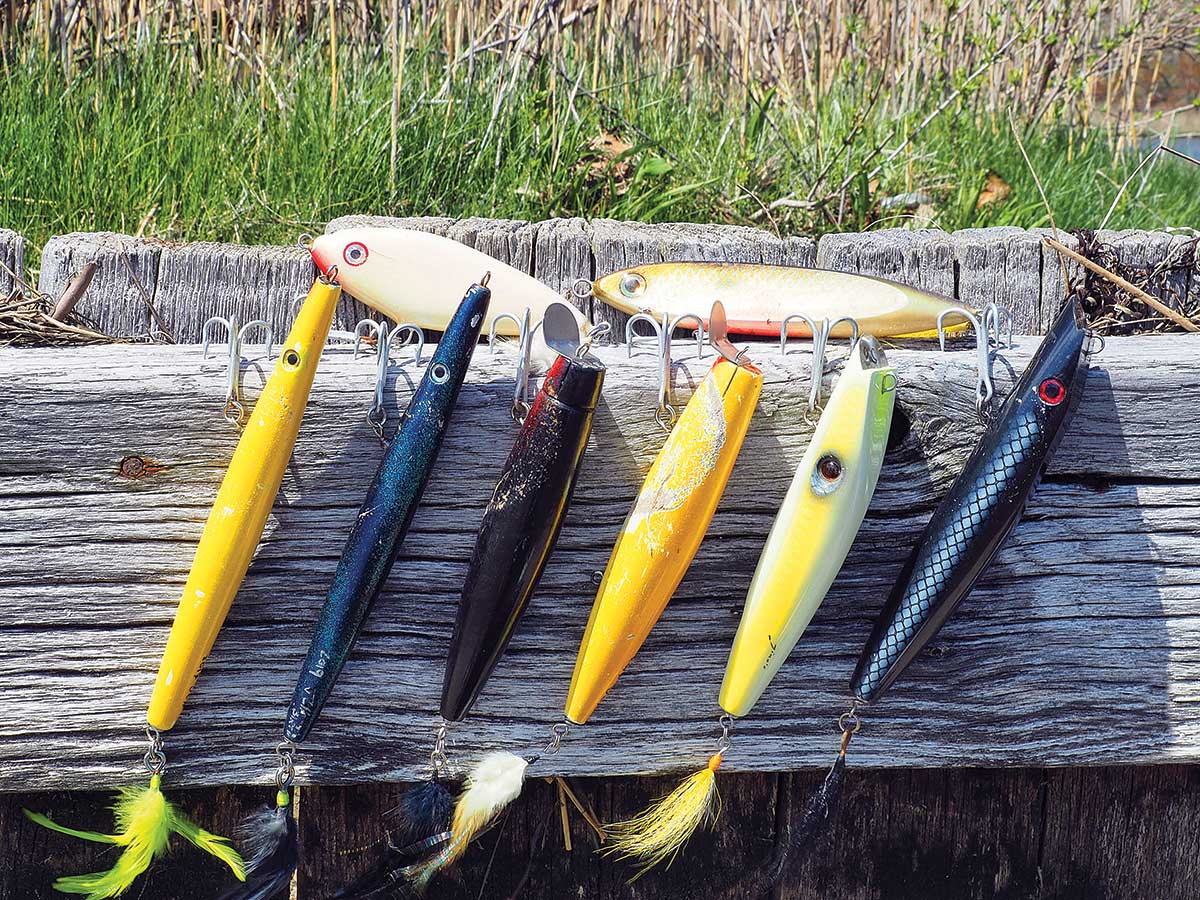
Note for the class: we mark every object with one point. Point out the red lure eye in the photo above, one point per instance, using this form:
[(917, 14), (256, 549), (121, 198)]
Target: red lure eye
[(355, 254), (1052, 392)]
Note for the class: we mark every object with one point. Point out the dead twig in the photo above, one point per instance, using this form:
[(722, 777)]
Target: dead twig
[(1153, 302)]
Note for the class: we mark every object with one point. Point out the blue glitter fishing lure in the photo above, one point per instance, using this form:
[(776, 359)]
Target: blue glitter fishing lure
[(386, 513)]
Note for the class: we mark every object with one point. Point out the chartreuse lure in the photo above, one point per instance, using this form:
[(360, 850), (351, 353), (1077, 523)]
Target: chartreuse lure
[(808, 543), (656, 545), (145, 819), (362, 570)]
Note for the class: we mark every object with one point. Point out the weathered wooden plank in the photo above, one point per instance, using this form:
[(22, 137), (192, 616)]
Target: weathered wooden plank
[(119, 296), (1049, 662), (12, 260), (965, 834), (196, 281)]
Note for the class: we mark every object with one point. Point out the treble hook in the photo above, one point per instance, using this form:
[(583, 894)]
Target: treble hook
[(666, 413), (997, 315), (820, 346), (520, 404), (377, 414), (982, 325), (233, 411)]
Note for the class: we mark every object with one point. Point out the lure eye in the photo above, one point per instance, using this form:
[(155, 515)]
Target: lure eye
[(439, 373), (291, 360), (632, 284), (355, 254), (1052, 391), (827, 475)]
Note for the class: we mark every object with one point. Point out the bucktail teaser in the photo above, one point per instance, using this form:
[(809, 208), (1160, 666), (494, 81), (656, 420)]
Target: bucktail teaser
[(146, 819), (758, 298), (808, 543), (375, 539), (969, 526)]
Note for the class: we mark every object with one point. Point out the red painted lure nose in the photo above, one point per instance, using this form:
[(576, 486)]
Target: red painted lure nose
[(322, 258)]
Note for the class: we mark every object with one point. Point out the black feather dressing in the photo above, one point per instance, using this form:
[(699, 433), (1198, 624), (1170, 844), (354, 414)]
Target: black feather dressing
[(272, 852), (424, 812), (422, 826), (822, 807)]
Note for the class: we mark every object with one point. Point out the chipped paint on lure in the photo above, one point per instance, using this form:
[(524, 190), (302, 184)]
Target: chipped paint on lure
[(664, 529), (815, 526), (403, 273), (244, 500), (387, 511), (757, 297), (981, 508), (520, 527)]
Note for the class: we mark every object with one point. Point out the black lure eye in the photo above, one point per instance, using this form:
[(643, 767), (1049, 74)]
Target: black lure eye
[(1052, 392)]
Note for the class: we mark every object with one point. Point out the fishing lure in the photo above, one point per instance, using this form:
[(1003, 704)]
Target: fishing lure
[(402, 273), (235, 525), (808, 543), (657, 543), (375, 538), (758, 297), (969, 526), (516, 537), (522, 521)]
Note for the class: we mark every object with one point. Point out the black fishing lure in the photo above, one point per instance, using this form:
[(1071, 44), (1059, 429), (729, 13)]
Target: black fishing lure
[(981, 509), (520, 526)]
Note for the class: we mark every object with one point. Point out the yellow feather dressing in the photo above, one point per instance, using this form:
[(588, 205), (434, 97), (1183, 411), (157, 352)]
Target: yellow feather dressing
[(812, 534), (145, 819)]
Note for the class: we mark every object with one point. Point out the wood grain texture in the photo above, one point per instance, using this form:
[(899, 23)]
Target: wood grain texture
[(959, 834), (126, 275), (1082, 643), (12, 258)]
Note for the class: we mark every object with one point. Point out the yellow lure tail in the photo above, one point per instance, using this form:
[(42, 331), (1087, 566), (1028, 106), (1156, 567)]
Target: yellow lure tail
[(244, 500), (657, 833), (145, 821), (663, 531)]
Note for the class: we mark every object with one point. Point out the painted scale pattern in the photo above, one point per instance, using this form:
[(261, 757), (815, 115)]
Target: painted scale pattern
[(979, 512), (757, 297), (386, 513), (520, 527)]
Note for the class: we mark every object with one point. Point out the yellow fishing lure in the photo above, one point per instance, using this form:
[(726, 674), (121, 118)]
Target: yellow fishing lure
[(664, 529), (239, 515), (145, 819), (816, 525)]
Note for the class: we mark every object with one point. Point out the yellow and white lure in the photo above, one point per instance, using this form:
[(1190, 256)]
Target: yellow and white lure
[(809, 541), (820, 517), (145, 819)]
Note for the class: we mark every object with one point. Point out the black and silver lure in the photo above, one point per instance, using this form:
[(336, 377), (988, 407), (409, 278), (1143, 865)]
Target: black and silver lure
[(968, 528), (370, 551)]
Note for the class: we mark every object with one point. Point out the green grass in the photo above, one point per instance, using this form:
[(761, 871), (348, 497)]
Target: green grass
[(122, 147)]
